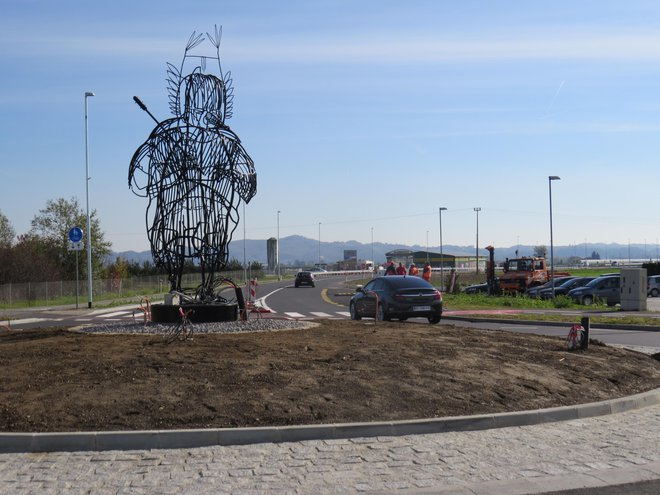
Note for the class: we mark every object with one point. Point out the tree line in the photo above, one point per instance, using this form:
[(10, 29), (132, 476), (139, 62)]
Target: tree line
[(42, 254)]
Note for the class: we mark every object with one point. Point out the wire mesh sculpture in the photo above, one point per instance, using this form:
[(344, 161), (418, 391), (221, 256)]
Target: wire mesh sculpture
[(194, 171)]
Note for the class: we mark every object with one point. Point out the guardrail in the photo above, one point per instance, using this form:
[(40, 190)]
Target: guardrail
[(342, 273)]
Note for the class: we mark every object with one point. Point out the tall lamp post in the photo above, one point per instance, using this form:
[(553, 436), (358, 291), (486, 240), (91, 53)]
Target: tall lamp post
[(552, 254), (477, 210), (442, 259), (277, 253), (319, 244), (427, 246), (89, 223), (373, 262)]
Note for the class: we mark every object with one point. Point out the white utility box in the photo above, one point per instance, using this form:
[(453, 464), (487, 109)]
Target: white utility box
[(633, 289)]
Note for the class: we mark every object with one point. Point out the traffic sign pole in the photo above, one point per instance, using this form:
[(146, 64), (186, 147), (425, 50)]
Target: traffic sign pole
[(75, 244), (77, 283)]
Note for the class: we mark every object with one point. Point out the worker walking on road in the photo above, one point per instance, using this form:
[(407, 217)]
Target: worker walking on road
[(426, 272), (413, 271), (400, 270)]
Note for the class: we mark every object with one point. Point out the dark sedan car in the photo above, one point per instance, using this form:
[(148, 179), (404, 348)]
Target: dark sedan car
[(536, 291), (605, 289), (397, 296), (304, 278), (476, 289), (562, 289)]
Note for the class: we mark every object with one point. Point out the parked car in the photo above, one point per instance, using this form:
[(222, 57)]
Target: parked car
[(476, 289), (653, 286), (397, 296), (604, 288), (562, 289), (536, 291), (304, 278)]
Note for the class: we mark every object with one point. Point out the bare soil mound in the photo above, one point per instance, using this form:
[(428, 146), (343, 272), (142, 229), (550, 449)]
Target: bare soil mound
[(335, 372)]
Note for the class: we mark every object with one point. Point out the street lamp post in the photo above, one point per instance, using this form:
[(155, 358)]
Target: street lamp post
[(89, 226), (373, 262), (442, 259), (319, 244), (427, 246), (552, 253), (477, 210), (277, 253)]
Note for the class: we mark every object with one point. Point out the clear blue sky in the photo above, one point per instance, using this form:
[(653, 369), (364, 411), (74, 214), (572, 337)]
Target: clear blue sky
[(357, 114)]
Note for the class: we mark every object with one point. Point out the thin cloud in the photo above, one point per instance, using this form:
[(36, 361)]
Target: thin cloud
[(554, 98), (374, 48)]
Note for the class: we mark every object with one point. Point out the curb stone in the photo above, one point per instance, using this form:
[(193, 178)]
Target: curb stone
[(176, 439)]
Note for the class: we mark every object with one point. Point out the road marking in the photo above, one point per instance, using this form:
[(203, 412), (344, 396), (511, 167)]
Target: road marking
[(25, 321), (116, 313), (321, 314), (344, 313), (326, 298), (261, 302)]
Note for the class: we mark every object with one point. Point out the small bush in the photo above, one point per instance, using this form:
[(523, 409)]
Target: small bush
[(562, 301)]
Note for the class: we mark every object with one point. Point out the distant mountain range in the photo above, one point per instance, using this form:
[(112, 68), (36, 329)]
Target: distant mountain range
[(297, 250)]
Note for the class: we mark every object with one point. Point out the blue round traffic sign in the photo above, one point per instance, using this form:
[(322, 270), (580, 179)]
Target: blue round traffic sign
[(75, 234)]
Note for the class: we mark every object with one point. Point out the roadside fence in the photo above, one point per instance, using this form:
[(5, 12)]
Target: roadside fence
[(38, 294)]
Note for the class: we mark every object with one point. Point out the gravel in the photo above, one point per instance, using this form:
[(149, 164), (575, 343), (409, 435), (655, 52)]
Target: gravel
[(256, 325)]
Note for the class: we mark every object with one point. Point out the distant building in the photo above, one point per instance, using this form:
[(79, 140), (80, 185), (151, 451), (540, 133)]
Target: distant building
[(271, 253), (407, 257)]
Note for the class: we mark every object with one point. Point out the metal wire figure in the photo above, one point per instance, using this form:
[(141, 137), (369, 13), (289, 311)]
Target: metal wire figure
[(183, 329), (195, 172)]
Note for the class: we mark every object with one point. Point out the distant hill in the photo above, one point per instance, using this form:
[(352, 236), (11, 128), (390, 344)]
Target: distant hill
[(297, 250)]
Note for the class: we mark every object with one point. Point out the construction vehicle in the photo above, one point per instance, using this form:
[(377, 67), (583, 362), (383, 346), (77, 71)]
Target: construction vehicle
[(522, 273), (519, 274)]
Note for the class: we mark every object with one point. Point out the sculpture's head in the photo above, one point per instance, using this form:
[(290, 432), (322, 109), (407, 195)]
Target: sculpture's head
[(202, 99)]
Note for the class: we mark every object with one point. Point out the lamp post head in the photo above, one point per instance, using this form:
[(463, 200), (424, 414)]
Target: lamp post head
[(89, 93), (442, 208), (554, 177)]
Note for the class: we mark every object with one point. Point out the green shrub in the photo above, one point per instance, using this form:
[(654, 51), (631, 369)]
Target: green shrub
[(562, 301)]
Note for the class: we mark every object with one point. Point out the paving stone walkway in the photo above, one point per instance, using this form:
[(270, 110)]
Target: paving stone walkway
[(502, 460)]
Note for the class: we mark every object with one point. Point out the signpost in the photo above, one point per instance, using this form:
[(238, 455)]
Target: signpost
[(76, 244)]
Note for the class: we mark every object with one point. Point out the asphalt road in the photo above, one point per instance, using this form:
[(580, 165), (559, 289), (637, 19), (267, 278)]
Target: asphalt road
[(634, 338), (286, 300), (324, 301)]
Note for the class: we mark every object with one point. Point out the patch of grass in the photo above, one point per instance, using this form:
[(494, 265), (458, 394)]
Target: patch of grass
[(483, 301)]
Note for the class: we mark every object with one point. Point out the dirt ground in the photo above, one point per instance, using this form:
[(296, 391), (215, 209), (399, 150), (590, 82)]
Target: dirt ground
[(336, 371)]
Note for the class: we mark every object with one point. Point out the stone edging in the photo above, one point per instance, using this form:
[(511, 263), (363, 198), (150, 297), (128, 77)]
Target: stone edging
[(176, 439)]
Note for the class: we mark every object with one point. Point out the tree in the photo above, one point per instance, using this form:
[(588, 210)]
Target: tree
[(540, 251), (233, 266), (52, 225), (29, 260), (7, 233)]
